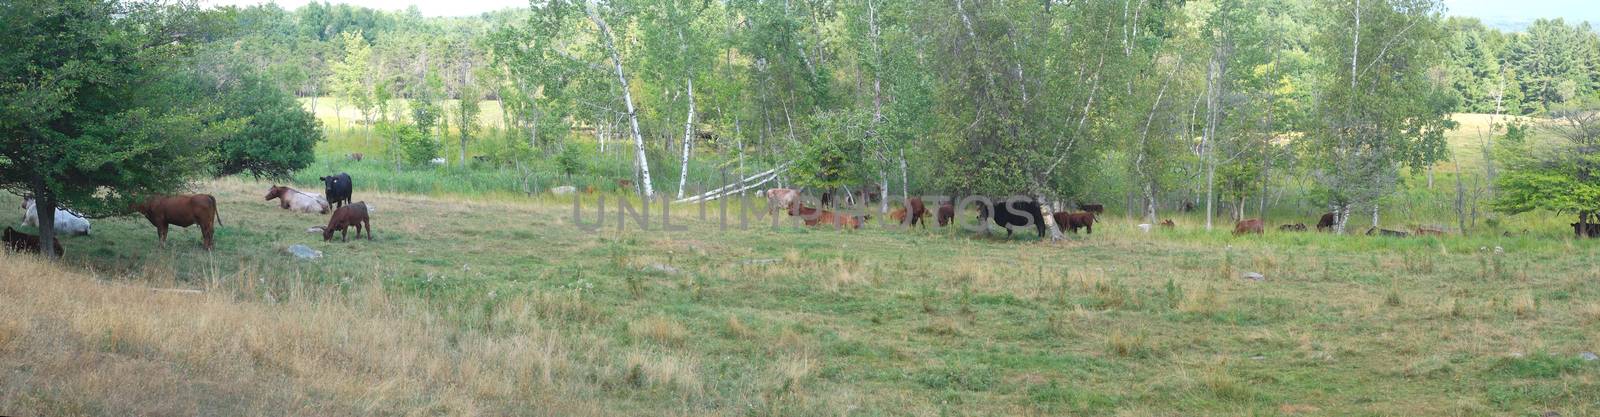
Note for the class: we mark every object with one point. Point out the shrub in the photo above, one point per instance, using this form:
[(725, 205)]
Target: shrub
[(416, 147)]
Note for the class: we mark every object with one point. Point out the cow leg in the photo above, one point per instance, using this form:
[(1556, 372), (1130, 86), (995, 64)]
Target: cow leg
[(206, 233), (161, 232), (344, 234), (369, 229), (1089, 227)]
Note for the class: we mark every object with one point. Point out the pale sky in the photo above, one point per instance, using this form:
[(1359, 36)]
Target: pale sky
[(1512, 14), (1506, 14), (428, 7)]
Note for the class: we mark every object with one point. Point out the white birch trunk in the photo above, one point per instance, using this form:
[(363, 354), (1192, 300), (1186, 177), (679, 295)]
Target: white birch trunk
[(905, 183), (688, 140), (642, 161), (1210, 135)]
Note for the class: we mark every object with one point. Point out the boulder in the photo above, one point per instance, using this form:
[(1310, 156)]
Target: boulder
[(563, 190), (304, 252), (1254, 276)]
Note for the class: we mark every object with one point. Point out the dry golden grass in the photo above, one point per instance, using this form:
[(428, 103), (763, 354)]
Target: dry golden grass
[(845, 274), (78, 344), (661, 330), (1589, 313)]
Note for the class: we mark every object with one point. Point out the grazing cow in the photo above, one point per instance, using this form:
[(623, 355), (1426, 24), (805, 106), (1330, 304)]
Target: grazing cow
[(296, 200), (1093, 208), (338, 189), (182, 211), (624, 184), (1247, 226), (898, 215), (1586, 229), (1428, 231), (67, 222), (1297, 227), (1386, 232), (947, 213), (355, 156), (1168, 224), (1016, 213), (1325, 223), (23, 242), (354, 215), (918, 211), (813, 217), (781, 198), (1188, 206), (1075, 221)]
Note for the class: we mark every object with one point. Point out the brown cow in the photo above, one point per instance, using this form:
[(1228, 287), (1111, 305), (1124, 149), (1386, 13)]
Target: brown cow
[(812, 217), (354, 215), (781, 198), (918, 211), (898, 215), (1429, 231), (1375, 231), (1325, 223), (1074, 221), (355, 156), (1247, 226), (624, 184), (23, 242), (1168, 224), (947, 213), (182, 210)]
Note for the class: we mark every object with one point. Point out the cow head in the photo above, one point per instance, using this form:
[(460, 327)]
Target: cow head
[(276, 192), (327, 234)]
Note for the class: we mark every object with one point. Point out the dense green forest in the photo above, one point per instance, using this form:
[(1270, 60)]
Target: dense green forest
[(1185, 102)]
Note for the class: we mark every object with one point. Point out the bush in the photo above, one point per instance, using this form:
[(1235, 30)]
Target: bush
[(570, 161), (277, 136), (416, 147)]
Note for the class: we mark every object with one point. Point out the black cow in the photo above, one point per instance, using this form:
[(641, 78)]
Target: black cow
[(1586, 229), (338, 189), (1326, 222), (1016, 213)]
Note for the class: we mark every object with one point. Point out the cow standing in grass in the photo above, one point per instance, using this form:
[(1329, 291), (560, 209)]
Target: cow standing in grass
[(338, 188), (1247, 226), (182, 211), (354, 215), (1021, 213)]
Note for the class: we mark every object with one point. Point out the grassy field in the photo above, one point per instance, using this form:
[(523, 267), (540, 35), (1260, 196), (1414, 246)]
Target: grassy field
[(479, 298), (499, 306)]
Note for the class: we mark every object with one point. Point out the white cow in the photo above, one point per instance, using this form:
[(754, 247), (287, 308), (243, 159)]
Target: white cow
[(67, 222)]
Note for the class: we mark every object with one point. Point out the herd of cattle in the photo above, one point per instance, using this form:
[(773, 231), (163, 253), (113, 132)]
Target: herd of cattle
[(201, 209), (1022, 214), (186, 210)]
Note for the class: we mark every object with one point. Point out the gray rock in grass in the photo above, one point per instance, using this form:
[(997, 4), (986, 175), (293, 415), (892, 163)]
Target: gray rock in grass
[(304, 252)]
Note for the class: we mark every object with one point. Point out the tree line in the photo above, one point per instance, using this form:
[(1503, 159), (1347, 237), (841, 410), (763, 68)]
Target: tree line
[(1161, 104)]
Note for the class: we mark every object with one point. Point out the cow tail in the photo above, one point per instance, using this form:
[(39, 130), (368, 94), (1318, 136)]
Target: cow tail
[(217, 208)]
